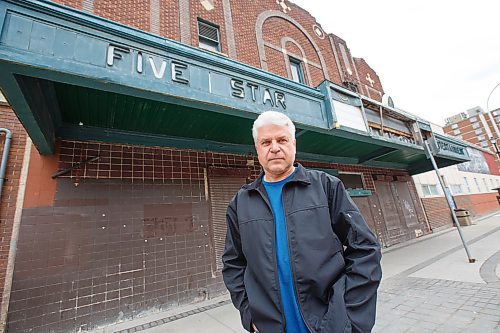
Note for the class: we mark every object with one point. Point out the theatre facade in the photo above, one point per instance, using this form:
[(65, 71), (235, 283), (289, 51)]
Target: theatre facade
[(130, 137)]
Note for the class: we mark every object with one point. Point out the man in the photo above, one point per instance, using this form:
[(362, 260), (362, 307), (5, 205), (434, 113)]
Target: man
[(298, 257)]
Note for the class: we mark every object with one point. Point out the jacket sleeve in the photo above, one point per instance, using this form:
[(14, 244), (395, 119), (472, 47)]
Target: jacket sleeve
[(234, 265), (362, 257)]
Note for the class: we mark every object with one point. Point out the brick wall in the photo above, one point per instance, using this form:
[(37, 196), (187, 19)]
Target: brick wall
[(493, 163), (478, 204), (11, 184), (437, 212), (439, 215), (78, 4), (169, 24), (124, 235), (365, 73), (129, 12)]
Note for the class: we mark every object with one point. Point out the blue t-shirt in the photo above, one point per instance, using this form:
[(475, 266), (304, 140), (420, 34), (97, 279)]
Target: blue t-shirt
[(294, 321)]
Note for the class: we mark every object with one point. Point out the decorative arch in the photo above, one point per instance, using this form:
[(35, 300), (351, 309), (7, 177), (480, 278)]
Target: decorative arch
[(285, 40), (260, 39)]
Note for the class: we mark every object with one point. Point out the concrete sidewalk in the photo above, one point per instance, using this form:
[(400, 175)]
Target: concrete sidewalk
[(434, 265)]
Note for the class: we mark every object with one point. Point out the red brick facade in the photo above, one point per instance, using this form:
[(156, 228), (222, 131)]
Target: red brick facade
[(96, 221), (8, 200), (439, 215)]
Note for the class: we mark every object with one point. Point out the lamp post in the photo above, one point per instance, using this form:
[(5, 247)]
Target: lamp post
[(493, 140), (494, 143), (489, 96)]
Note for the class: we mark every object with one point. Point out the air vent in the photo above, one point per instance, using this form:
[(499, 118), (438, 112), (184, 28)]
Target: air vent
[(208, 31)]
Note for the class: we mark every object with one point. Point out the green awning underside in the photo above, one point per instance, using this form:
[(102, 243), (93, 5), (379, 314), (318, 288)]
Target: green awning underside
[(97, 115)]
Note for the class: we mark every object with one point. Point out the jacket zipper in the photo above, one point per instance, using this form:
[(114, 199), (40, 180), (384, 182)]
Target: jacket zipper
[(275, 260), (291, 262)]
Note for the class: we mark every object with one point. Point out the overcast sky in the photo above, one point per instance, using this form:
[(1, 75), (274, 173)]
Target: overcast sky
[(435, 58)]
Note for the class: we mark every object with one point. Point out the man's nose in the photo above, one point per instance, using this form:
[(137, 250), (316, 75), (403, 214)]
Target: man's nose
[(274, 146)]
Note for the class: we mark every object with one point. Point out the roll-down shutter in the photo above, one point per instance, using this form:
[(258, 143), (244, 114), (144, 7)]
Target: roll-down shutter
[(222, 190)]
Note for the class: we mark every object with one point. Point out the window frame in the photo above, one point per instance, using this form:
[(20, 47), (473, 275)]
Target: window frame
[(466, 182), (298, 63), (430, 190), (207, 41)]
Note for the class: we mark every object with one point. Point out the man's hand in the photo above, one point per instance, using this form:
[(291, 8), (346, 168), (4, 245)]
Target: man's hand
[(254, 328)]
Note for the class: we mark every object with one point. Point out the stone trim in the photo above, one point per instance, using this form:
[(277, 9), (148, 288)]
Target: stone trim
[(154, 9), (260, 39), (337, 61), (298, 56), (88, 6), (185, 21), (228, 20), (284, 40)]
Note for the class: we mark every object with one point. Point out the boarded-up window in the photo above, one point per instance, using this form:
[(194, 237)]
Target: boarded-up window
[(350, 116), (351, 181)]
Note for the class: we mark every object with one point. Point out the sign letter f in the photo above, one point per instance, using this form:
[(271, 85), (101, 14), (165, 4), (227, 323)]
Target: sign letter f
[(114, 53)]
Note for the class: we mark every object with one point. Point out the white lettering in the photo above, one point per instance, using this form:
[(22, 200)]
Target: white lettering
[(113, 53), (280, 98), (268, 97), (237, 86), (158, 73), (253, 88), (139, 62), (178, 71)]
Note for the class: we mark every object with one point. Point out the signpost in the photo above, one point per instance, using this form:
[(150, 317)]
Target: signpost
[(449, 199)]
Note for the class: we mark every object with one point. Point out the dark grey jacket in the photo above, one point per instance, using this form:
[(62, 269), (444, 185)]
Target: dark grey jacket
[(334, 257)]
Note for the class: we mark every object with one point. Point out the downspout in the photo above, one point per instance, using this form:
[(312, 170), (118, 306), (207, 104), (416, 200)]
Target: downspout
[(5, 157), (3, 170)]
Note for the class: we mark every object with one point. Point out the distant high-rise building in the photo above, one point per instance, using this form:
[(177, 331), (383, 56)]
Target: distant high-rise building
[(475, 126)]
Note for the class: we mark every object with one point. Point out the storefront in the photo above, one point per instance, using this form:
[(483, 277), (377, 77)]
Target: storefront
[(150, 139)]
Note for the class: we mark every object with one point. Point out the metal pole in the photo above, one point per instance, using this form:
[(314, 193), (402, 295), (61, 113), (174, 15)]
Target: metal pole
[(496, 147), (5, 156), (493, 123), (450, 203)]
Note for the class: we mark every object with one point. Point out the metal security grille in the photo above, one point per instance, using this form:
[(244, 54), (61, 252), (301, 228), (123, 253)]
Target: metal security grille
[(222, 190)]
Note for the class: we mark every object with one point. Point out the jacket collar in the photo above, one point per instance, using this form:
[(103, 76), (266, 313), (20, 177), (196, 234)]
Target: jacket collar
[(300, 176)]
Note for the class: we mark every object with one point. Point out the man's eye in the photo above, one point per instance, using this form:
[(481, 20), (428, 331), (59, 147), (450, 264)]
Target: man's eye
[(265, 143), (284, 140)]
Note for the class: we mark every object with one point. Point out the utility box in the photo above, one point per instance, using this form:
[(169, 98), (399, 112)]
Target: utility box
[(463, 217)]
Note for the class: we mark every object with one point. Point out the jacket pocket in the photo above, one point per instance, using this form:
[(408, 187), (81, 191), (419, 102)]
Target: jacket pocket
[(336, 319)]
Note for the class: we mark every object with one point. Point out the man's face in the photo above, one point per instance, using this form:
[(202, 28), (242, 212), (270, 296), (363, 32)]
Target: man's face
[(276, 151)]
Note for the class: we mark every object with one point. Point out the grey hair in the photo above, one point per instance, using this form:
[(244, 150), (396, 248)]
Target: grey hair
[(272, 118)]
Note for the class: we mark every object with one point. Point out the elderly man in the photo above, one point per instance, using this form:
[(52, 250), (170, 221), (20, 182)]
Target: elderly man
[(299, 257)]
